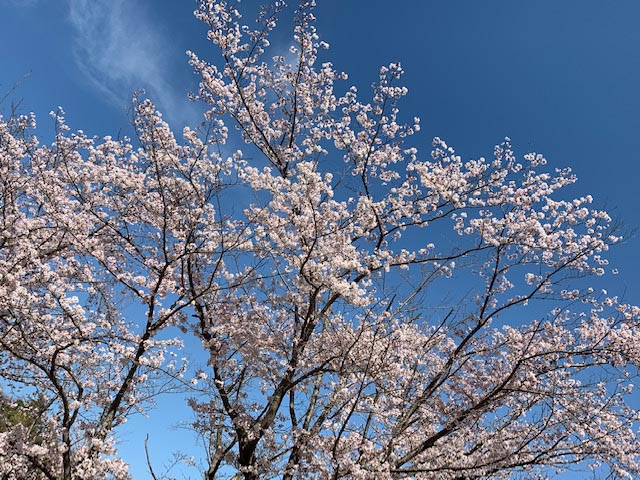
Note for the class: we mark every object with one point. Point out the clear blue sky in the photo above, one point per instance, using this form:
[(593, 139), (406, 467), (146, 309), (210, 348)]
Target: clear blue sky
[(558, 77)]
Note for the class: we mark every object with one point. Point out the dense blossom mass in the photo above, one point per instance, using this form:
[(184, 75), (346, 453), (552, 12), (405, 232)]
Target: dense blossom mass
[(367, 311)]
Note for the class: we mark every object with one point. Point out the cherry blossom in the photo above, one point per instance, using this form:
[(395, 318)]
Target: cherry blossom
[(366, 310)]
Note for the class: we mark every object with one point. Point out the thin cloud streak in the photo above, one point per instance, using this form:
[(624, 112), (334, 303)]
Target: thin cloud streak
[(120, 50)]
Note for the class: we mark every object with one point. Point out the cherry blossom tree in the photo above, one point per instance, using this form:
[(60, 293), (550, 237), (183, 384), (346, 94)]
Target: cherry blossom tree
[(366, 311)]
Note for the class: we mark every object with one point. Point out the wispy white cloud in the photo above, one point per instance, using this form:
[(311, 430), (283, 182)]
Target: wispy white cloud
[(120, 49)]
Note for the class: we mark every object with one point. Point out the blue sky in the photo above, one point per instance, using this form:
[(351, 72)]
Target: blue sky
[(558, 77)]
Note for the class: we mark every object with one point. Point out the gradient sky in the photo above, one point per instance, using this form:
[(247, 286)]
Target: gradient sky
[(560, 78)]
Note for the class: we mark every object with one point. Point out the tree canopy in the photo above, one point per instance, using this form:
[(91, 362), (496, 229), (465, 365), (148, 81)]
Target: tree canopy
[(366, 310)]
